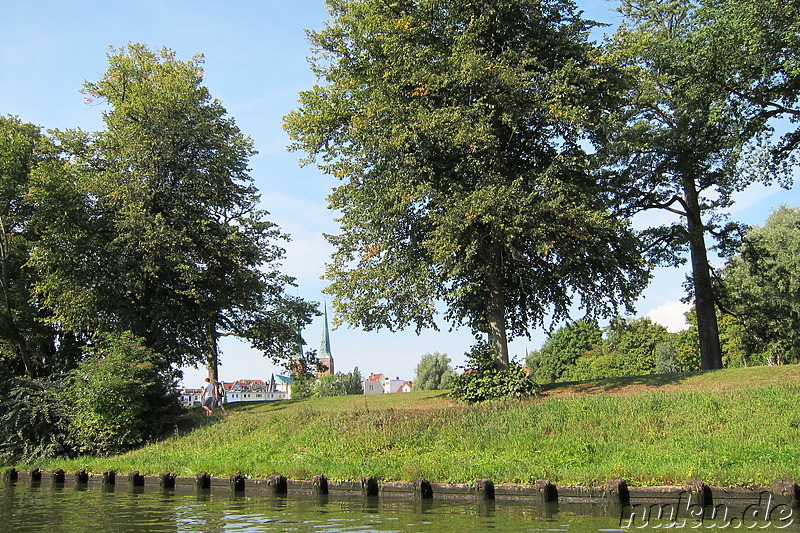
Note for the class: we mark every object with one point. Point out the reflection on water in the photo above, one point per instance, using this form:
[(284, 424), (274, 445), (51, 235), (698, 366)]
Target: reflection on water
[(53, 508)]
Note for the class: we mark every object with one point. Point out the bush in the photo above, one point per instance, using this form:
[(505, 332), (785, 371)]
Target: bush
[(481, 381), (123, 395), (33, 420), (434, 372), (665, 358), (338, 384)]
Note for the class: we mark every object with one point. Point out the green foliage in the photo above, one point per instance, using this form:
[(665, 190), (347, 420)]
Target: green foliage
[(636, 339), (601, 361), (34, 419), (751, 48), (647, 433), (338, 384), (433, 372), (665, 358), (562, 349), (763, 290), (461, 135), (28, 345), (482, 380), (302, 385), (122, 396), (579, 351), (687, 347), (160, 219)]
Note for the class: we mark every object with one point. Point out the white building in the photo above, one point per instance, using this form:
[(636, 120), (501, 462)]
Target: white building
[(190, 397), (380, 384)]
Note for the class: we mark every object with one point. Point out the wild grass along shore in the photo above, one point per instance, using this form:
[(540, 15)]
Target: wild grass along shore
[(732, 427)]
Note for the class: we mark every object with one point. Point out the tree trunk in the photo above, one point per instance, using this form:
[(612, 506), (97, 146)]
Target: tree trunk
[(496, 311), (707, 328), (212, 358)]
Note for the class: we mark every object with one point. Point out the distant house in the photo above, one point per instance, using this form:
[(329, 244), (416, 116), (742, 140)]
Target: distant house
[(380, 384), (373, 384), (280, 387), (190, 397), (391, 386), (247, 390)]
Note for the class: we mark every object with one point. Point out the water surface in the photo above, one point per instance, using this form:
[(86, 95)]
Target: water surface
[(53, 508)]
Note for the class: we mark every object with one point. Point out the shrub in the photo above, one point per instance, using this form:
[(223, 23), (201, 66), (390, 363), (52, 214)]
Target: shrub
[(123, 394), (338, 384), (33, 420), (665, 358), (434, 372), (481, 381)]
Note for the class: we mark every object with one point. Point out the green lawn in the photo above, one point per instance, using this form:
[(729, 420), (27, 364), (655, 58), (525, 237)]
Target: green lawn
[(727, 427)]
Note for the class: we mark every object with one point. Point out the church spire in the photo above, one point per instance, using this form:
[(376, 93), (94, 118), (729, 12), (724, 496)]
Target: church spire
[(325, 343), (324, 356)]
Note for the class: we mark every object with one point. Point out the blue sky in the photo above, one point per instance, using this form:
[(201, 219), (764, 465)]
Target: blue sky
[(255, 64)]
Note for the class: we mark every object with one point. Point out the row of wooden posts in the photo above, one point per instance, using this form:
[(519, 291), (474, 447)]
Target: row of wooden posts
[(614, 491)]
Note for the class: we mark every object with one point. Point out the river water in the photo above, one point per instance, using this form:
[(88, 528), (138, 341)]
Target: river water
[(71, 509)]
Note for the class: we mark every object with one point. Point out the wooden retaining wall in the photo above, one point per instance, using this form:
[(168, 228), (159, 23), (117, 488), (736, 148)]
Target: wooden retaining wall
[(783, 492)]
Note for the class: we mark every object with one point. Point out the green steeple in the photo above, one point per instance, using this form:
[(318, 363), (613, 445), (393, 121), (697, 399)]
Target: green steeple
[(325, 343)]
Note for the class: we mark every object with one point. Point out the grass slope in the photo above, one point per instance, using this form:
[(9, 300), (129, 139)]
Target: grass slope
[(727, 427)]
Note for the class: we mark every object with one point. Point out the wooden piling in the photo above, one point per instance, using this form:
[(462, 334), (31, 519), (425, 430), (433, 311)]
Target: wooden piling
[(202, 480), (484, 489), (135, 479), (109, 477), (423, 489), (58, 475), (547, 491), (237, 483), (699, 493), (10, 475), (166, 480), (320, 485), (786, 491), (617, 492), (369, 486)]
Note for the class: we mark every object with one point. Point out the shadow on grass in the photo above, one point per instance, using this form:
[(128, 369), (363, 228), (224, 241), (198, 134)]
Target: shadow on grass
[(625, 384)]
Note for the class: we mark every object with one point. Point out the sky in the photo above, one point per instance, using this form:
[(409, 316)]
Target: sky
[(255, 62)]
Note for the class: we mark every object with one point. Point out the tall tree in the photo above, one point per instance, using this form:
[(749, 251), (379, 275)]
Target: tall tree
[(460, 131), (763, 288), (434, 372), (28, 345), (160, 219), (681, 142)]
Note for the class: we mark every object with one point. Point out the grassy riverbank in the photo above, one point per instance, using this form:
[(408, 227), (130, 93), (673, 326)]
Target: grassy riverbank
[(729, 427)]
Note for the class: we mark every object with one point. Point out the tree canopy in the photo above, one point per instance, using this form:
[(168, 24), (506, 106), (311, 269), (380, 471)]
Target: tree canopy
[(685, 142), (27, 344), (338, 384), (434, 372), (461, 134), (753, 49), (160, 219), (763, 289)]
